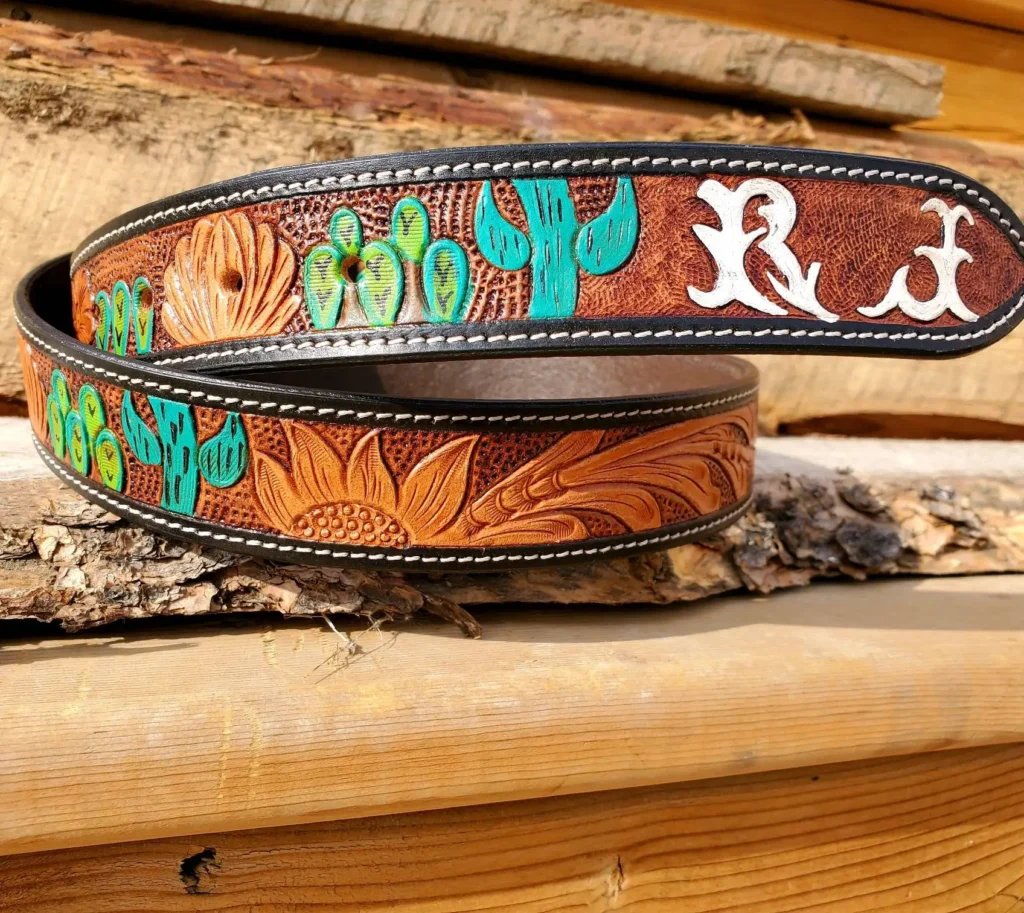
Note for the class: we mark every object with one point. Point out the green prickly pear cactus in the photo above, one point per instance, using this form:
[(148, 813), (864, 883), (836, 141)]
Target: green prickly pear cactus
[(410, 229), (380, 284), (324, 285), (123, 311), (221, 460), (77, 430), (445, 281), (556, 246)]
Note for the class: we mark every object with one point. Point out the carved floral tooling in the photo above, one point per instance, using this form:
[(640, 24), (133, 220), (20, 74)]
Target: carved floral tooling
[(228, 280), (322, 496)]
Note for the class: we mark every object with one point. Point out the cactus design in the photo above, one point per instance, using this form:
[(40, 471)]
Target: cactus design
[(79, 432), (122, 311), (445, 282), (556, 246), (386, 277), (221, 460)]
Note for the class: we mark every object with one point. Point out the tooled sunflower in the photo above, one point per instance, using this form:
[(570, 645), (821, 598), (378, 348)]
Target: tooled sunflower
[(326, 498)]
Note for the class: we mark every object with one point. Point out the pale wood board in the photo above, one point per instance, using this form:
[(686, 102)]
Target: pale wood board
[(935, 833), (186, 730), (984, 65), (93, 123), (866, 508), (608, 40)]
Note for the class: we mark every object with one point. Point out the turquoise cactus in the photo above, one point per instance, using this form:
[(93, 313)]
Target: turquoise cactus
[(221, 460), (79, 432), (386, 277), (122, 311), (556, 246)]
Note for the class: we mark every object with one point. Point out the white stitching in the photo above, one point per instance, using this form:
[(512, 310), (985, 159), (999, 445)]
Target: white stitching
[(438, 170), (91, 491), (593, 334), (271, 405)]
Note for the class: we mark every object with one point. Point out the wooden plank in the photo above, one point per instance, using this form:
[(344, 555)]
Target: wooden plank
[(612, 41), (983, 65), (1004, 14), (936, 833), (897, 507), (170, 732), (94, 123)]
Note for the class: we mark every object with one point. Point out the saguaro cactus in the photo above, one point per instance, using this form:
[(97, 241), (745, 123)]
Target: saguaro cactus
[(556, 247), (221, 460)]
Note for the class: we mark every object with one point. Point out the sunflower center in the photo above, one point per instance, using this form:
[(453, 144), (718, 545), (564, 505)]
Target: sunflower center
[(351, 523)]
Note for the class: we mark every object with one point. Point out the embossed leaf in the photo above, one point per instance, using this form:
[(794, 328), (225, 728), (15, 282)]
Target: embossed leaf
[(410, 229), (223, 458), (90, 406), (445, 281), (78, 442), (109, 460), (120, 305), (323, 286), (346, 232), (142, 314), (380, 284), (229, 280)]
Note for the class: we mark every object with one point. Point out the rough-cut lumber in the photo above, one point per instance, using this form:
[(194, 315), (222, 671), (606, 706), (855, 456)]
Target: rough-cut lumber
[(609, 40), (934, 833), (984, 65), (901, 508), (185, 730), (93, 123)]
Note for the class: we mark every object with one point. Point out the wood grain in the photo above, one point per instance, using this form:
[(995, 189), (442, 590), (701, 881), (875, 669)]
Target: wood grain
[(935, 833), (186, 730), (611, 41)]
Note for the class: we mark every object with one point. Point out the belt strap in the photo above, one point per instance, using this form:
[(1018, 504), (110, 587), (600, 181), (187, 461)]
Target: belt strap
[(291, 364)]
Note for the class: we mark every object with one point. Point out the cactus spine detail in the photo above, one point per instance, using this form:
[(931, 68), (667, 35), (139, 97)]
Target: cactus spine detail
[(221, 460), (556, 247)]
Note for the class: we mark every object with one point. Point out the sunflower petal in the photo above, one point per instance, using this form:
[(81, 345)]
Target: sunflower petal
[(317, 468), (433, 492), (369, 479), (275, 492)]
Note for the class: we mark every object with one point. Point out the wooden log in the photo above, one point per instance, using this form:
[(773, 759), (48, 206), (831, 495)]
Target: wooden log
[(190, 729), (905, 508), (94, 123), (610, 40), (933, 833)]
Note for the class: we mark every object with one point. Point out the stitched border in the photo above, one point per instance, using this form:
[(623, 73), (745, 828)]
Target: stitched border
[(314, 412), (473, 169), (460, 339), (273, 548)]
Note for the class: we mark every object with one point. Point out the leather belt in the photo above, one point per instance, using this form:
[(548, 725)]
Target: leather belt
[(291, 364)]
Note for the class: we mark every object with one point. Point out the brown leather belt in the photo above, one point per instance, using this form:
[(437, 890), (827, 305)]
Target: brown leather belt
[(291, 364)]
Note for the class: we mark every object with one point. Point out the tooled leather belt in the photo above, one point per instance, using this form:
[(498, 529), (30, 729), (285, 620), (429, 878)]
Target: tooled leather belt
[(290, 364)]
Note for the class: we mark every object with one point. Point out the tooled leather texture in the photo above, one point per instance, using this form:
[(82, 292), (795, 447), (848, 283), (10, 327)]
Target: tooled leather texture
[(483, 252), (830, 259)]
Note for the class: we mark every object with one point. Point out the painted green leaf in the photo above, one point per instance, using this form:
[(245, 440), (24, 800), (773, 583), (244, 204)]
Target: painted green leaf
[(109, 459), (445, 281), (499, 241), (223, 458), (410, 229), (102, 300), (141, 441), (380, 284), (78, 442), (177, 430), (59, 386), (142, 314), (120, 305), (90, 406), (346, 232), (607, 242), (55, 419), (323, 285)]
